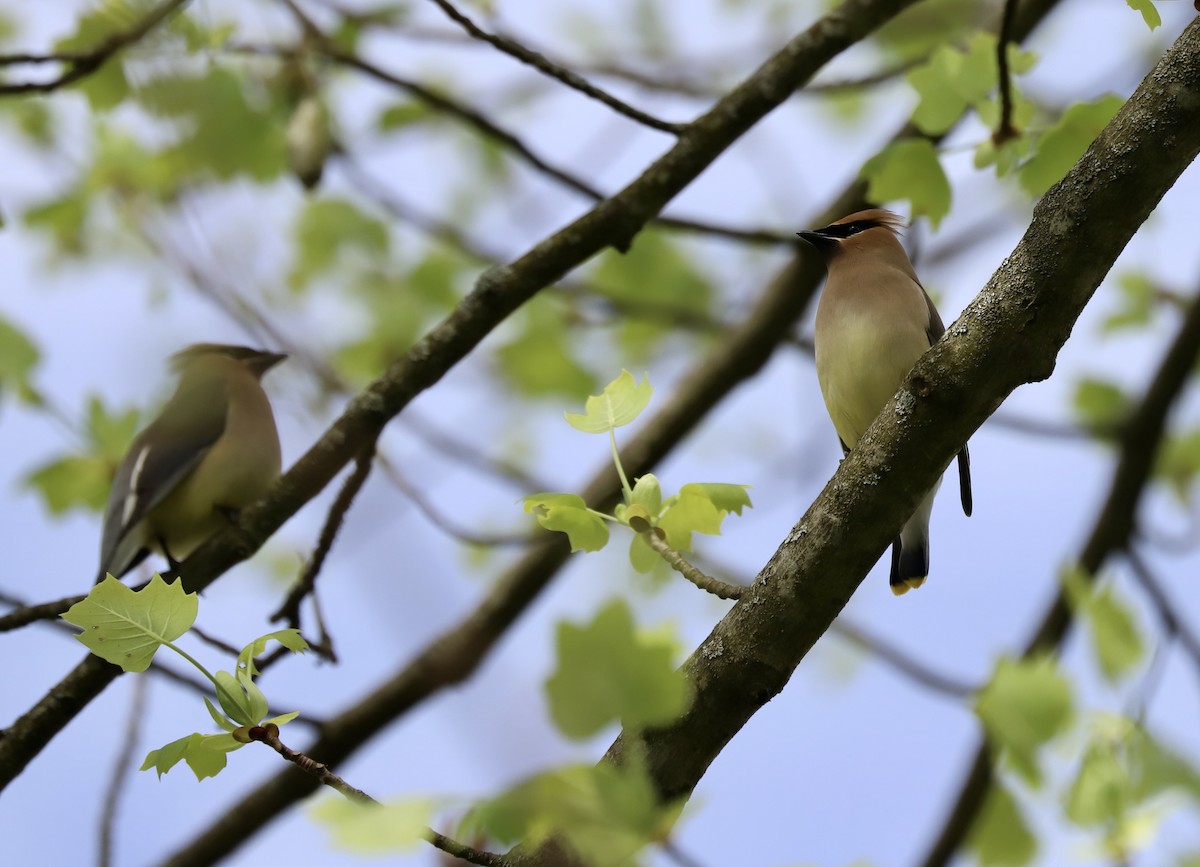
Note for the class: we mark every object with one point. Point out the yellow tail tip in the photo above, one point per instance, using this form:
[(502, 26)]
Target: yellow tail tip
[(907, 584)]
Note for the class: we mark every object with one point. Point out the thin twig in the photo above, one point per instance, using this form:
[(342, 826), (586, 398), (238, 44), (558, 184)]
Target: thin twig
[(83, 64), (290, 609), (269, 735), (23, 615), (1168, 611), (560, 73), (890, 655), (115, 792), (715, 586), (1005, 131)]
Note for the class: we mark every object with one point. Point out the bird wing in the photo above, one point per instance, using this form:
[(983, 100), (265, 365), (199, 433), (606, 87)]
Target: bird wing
[(158, 460)]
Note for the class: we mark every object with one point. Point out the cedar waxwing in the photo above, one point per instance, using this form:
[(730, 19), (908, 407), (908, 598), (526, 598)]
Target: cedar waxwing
[(212, 450), (874, 320)]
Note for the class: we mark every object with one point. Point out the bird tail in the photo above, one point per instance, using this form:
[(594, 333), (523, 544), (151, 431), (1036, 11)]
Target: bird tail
[(910, 551)]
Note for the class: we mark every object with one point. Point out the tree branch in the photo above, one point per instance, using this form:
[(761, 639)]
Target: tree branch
[(498, 292), (560, 73), (1009, 335), (84, 63)]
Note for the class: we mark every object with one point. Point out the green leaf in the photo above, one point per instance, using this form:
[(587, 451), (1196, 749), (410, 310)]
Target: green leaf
[(620, 403), (105, 87), (1149, 13), (1178, 463), (1100, 405), (331, 230), (1001, 837), (954, 79), (289, 638), (1138, 293), (1059, 147), (1026, 703), (72, 483), (18, 358), (647, 493), (240, 698), (403, 114), (1116, 640), (568, 513), (609, 671), (374, 829), (604, 814), (642, 557), (1101, 792), (204, 754), (539, 360), (221, 133), (126, 627), (909, 170), (700, 508)]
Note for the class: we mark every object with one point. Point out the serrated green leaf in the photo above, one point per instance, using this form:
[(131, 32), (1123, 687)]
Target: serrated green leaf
[(1001, 837), (605, 814), (376, 829), (1100, 405), (1059, 147), (620, 403), (206, 755), (1026, 703), (289, 638), (568, 513), (1149, 13), (126, 627), (909, 170), (609, 671), (699, 508)]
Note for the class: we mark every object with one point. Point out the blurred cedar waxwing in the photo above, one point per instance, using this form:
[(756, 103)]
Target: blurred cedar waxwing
[(874, 320), (212, 450)]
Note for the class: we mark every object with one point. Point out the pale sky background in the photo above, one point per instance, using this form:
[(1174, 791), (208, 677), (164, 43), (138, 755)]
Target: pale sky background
[(852, 761)]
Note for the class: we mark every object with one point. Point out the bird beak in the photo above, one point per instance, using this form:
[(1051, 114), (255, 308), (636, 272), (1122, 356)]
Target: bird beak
[(266, 360), (821, 242)]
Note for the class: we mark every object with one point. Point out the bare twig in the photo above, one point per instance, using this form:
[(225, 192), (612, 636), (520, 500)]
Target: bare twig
[(556, 71), (290, 609), (1167, 611), (120, 773), (718, 588), (84, 63), (890, 655), (1005, 131), (23, 615)]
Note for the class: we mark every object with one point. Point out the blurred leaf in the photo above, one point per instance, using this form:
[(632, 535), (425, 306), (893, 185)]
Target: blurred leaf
[(1026, 704), (539, 360), (1138, 292), (330, 230), (642, 557), (620, 403), (32, 118), (374, 829), (204, 754), (909, 170), (1178, 463), (1101, 792), (63, 218), (403, 114), (1149, 13), (1116, 640), (652, 285), (609, 671), (106, 87), (605, 814), (700, 508), (18, 358), (126, 627), (924, 26), (1059, 147), (1100, 405), (1000, 836), (954, 79), (221, 132), (568, 513)]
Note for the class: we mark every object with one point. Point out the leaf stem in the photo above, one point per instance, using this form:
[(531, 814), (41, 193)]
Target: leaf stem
[(612, 439), (192, 660)]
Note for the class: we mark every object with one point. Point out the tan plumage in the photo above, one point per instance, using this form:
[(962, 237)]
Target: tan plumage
[(213, 450), (874, 320)]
